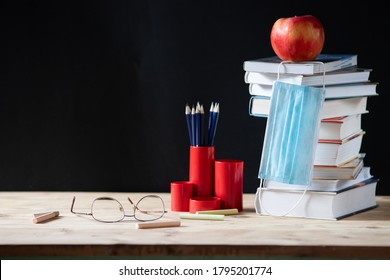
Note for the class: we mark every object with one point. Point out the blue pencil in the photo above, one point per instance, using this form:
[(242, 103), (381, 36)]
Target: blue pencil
[(193, 125), (189, 123), (210, 124), (197, 125), (214, 123), (202, 133)]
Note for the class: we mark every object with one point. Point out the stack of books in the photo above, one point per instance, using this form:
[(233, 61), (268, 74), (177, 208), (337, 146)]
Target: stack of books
[(342, 184)]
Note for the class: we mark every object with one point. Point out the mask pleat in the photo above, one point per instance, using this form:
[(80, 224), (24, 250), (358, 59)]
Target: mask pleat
[(291, 134)]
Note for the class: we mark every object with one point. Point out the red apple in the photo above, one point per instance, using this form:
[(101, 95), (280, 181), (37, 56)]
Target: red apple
[(298, 38)]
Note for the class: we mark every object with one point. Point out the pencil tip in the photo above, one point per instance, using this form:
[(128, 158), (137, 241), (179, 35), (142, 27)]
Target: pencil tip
[(188, 110)]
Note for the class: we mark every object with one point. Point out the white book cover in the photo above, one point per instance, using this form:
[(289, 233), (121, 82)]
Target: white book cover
[(340, 127), (259, 106), (273, 64), (317, 205), (333, 91), (342, 76), (322, 185), (334, 152)]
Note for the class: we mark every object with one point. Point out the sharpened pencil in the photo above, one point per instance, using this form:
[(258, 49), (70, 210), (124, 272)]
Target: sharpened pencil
[(193, 125), (188, 119), (211, 112), (215, 122), (199, 134), (202, 133), (197, 125)]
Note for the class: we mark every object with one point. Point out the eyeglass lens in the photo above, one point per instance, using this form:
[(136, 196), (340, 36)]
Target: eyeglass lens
[(149, 208), (106, 209)]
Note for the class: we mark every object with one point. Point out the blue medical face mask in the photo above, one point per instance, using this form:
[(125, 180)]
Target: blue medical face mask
[(291, 134)]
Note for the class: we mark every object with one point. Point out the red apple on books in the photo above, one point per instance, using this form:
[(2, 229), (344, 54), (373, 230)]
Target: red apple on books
[(298, 38)]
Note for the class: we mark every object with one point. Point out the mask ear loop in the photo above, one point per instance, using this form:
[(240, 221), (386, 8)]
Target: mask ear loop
[(259, 190)]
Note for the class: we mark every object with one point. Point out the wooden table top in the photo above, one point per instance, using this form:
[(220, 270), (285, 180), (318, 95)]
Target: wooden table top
[(365, 235)]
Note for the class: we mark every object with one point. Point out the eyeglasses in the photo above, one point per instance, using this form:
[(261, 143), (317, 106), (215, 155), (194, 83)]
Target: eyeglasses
[(110, 210)]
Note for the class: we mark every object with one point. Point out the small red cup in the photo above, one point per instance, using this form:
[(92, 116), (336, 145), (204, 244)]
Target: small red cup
[(201, 203), (181, 192), (229, 179), (202, 170)]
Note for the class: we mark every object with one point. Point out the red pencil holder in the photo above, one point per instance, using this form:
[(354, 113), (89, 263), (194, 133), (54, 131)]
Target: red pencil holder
[(181, 192), (202, 203), (202, 170), (229, 177)]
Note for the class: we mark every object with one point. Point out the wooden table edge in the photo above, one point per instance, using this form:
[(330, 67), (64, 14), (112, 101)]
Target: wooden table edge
[(194, 251)]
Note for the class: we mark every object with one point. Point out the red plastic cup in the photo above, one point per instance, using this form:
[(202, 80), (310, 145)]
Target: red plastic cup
[(202, 170), (202, 203), (181, 192), (229, 179)]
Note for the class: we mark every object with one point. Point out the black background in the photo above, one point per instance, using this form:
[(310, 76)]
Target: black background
[(93, 93)]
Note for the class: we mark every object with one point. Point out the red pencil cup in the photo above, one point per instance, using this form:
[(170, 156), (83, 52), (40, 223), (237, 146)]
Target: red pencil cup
[(229, 179), (202, 170), (181, 192), (202, 203)]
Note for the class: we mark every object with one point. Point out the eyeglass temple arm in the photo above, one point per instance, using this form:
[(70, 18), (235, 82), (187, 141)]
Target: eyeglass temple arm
[(135, 206), (79, 213), (145, 212)]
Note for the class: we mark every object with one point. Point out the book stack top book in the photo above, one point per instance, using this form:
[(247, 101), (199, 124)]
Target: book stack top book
[(330, 62), (339, 164)]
